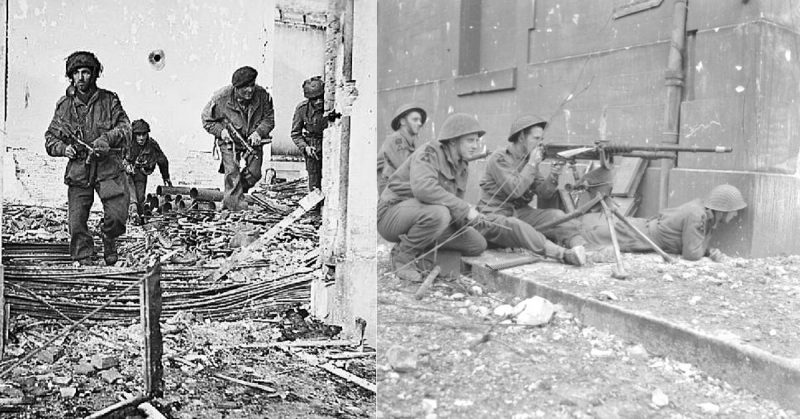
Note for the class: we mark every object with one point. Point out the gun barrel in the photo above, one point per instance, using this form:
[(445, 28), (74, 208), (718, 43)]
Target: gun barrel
[(673, 148)]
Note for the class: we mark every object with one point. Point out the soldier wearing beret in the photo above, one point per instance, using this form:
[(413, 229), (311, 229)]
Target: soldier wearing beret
[(141, 159), (307, 127), (241, 110), (512, 179), (423, 204), (91, 129), (406, 124)]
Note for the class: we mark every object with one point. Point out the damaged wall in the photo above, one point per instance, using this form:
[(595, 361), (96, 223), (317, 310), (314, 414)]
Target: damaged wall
[(589, 70)]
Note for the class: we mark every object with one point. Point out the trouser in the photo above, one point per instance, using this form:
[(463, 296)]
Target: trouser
[(502, 231), (566, 234), (115, 197), (138, 185), (417, 227), (594, 228), (314, 166), (239, 180)]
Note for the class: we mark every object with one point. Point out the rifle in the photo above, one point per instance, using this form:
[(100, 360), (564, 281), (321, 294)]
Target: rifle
[(74, 136), (605, 151), (238, 137)]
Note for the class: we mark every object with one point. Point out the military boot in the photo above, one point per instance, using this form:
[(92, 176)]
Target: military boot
[(110, 251), (404, 266), (575, 256)]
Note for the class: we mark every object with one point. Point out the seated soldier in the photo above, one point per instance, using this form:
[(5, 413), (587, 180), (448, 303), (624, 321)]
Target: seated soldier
[(684, 230), (141, 159), (423, 204)]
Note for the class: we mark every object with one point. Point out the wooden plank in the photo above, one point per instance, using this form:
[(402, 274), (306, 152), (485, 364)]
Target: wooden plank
[(306, 204), (349, 377), (150, 296), (628, 174)]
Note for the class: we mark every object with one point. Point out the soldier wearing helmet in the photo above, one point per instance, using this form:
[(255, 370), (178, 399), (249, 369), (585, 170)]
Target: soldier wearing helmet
[(406, 124), (141, 159), (423, 203), (686, 230), (307, 127), (512, 179), (91, 129), (240, 112)]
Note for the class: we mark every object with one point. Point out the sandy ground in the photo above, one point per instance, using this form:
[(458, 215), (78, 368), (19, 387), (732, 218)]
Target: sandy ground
[(561, 370)]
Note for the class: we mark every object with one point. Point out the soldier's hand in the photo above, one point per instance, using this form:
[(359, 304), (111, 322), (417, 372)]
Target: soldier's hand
[(558, 167), (70, 152), (255, 139), (716, 255), (101, 146), (167, 182), (311, 152), (226, 136), (536, 157), (128, 168), (473, 214)]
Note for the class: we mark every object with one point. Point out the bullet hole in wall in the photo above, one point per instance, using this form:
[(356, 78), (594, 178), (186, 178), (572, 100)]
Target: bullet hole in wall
[(157, 59)]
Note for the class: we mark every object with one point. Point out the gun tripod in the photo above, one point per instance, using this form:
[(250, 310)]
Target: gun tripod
[(597, 184)]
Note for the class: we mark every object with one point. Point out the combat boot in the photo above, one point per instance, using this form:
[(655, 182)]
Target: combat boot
[(110, 251), (575, 256), (404, 266)]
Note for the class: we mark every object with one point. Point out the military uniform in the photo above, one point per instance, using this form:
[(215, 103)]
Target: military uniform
[(256, 116), (143, 161), (684, 230), (507, 188), (307, 127), (100, 117), (423, 204), (398, 145)]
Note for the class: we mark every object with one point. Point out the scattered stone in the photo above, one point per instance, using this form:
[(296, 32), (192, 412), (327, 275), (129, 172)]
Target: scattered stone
[(6, 401), (401, 359), (458, 296), (504, 310), (476, 290), (722, 275), (694, 300), (659, 399), (463, 403), (19, 371), (668, 278), (102, 362), (601, 353), (62, 381), (534, 311), (111, 375), (50, 355), (607, 295), (429, 405), (638, 352), (68, 392), (773, 332), (709, 408), (83, 369), (353, 410), (481, 311)]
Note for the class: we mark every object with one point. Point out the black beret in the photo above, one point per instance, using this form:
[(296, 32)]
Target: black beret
[(244, 76)]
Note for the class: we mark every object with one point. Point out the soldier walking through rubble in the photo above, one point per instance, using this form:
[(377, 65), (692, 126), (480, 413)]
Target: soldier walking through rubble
[(240, 117), (406, 124), (91, 129), (423, 204), (141, 158), (308, 124), (686, 230), (512, 179)]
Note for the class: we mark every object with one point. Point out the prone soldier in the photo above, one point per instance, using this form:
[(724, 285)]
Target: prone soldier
[(240, 117), (91, 129), (141, 159)]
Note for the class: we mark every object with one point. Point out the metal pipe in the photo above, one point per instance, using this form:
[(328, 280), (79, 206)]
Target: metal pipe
[(206, 194), (674, 77), (172, 190)]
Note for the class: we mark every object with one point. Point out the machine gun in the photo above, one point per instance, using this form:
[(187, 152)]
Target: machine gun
[(605, 151), (74, 136)]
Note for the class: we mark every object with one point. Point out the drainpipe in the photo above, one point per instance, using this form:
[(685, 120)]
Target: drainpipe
[(344, 150), (674, 77)]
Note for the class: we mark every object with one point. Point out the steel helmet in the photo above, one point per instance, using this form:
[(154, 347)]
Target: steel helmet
[(725, 198), (524, 122), (140, 126), (404, 110), (459, 124), (313, 87)]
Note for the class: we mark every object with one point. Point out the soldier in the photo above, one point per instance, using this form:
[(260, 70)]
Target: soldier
[(91, 129), (141, 159), (512, 179), (307, 127), (684, 230), (406, 124), (423, 203), (240, 112)]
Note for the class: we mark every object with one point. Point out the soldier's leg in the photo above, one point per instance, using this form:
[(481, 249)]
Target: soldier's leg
[(140, 187), (512, 232), (115, 198), (468, 241), (80, 200), (232, 196), (566, 234), (314, 169), (594, 228)]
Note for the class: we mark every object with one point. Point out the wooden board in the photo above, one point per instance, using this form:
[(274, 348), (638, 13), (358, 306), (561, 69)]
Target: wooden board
[(628, 174)]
